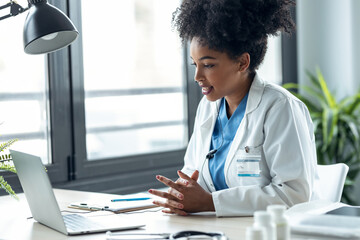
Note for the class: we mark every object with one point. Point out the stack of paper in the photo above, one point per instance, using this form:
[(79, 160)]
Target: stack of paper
[(118, 205)]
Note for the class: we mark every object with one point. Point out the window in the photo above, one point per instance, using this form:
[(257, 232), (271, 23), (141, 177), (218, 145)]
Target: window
[(23, 92), (133, 79)]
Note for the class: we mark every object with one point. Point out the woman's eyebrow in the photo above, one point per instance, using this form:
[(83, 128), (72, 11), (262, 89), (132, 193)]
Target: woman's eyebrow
[(204, 57)]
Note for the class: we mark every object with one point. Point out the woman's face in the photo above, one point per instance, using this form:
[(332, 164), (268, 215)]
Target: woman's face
[(217, 74)]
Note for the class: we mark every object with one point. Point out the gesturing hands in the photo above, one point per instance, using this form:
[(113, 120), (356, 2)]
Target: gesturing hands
[(183, 196)]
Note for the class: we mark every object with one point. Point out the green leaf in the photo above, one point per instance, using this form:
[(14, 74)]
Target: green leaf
[(289, 86), (341, 143), (353, 125), (328, 96), (7, 144), (6, 166), (354, 105), (4, 185), (313, 80), (329, 123)]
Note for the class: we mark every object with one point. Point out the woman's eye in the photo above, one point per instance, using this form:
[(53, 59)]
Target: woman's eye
[(208, 65), (204, 65)]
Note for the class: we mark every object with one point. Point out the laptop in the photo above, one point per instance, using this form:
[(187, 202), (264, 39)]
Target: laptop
[(45, 209)]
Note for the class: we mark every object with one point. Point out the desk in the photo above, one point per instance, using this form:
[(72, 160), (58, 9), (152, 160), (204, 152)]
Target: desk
[(14, 222), (15, 225)]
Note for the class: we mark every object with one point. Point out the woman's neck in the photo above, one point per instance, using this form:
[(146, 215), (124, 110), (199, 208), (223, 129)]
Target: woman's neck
[(234, 100)]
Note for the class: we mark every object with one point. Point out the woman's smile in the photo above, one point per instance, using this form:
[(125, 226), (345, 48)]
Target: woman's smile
[(206, 90)]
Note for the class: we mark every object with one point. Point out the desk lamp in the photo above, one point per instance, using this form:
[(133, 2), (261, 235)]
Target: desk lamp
[(46, 28)]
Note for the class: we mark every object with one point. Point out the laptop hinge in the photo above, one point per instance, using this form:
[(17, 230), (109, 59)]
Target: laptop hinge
[(71, 167)]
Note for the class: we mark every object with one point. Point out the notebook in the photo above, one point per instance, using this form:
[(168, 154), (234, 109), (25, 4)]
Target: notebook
[(45, 209), (115, 207)]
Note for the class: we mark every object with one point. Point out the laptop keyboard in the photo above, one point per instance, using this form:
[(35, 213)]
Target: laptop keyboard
[(78, 223)]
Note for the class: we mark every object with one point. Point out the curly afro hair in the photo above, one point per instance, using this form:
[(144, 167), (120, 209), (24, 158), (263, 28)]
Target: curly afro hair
[(234, 26)]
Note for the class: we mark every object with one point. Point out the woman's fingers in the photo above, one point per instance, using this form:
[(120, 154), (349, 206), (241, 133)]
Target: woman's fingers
[(175, 211), (161, 194), (176, 193), (167, 182), (171, 207), (175, 188), (169, 204), (195, 175), (174, 196), (182, 182), (171, 194), (183, 176)]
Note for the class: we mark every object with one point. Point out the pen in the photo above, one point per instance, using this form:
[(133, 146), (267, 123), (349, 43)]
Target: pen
[(130, 199)]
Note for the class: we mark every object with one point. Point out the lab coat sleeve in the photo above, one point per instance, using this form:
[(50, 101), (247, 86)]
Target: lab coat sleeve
[(190, 156), (289, 152), (191, 161)]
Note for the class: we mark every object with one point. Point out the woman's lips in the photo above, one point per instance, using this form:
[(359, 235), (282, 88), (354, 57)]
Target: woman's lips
[(206, 90)]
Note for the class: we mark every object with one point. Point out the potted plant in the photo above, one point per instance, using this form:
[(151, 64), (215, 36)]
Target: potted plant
[(6, 164), (336, 127)]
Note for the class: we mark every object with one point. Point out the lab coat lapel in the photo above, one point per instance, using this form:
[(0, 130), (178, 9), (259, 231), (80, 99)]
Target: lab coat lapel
[(254, 98), (207, 128)]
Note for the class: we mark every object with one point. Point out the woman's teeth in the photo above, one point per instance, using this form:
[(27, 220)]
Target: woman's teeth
[(206, 90)]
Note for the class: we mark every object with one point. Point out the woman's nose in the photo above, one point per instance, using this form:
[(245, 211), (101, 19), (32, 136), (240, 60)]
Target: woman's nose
[(198, 76)]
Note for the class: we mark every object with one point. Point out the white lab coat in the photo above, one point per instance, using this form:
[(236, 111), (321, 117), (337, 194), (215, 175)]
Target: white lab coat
[(277, 130)]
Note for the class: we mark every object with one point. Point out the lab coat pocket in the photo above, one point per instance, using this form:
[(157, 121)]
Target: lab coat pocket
[(248, 162)]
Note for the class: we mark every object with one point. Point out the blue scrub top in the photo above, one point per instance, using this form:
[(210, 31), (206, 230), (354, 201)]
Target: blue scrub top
[(226, 133)]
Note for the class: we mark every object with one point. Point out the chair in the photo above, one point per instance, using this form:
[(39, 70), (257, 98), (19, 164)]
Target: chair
[(330, 183)]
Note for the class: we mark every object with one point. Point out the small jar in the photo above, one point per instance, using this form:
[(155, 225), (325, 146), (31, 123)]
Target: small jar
[(263, 219), (255, 233), (281, 223)]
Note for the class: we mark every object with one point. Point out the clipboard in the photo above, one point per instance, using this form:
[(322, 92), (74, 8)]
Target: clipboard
[(115, 207)]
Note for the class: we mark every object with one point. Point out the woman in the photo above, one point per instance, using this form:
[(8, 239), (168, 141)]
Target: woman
[(253, 142)]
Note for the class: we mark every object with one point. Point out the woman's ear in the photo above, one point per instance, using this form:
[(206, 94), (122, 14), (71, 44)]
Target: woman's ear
[(244, 62)]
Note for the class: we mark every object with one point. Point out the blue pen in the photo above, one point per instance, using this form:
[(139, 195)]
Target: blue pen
[(130, 199)]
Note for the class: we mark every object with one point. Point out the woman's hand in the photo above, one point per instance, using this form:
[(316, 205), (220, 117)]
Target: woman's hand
[(184, 196)]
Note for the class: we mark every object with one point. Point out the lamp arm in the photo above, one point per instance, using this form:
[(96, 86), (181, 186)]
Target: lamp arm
[(15, 9)]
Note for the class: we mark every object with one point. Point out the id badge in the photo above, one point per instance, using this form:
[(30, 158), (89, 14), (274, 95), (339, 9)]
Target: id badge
[(248, 162), (248, 168)]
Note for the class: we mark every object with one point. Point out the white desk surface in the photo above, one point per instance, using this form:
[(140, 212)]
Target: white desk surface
[(15, 225), (14, 222)]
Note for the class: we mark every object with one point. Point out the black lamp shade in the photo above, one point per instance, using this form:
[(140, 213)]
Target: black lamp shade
[(47, 29)]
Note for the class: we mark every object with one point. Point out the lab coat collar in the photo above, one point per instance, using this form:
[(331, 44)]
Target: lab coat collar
[(215, 106), (254, 98), (255, 94), (207, 126)]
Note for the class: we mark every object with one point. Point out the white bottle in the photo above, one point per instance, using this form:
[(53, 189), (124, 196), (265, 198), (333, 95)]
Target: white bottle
[(255, 233), (264, 219), (281, 223)]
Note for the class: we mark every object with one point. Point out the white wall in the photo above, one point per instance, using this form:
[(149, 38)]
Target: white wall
[(328, 36)]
